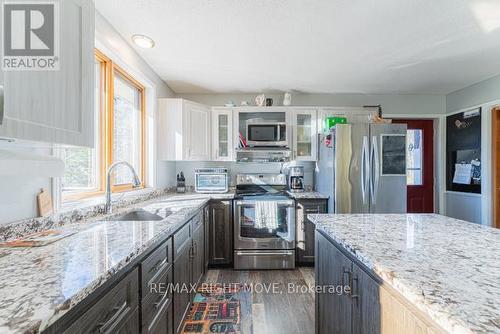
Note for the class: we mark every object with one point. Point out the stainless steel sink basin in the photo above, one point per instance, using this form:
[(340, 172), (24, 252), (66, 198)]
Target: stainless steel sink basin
[(138, 215)]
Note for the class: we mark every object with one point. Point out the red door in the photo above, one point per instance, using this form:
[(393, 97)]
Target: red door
[(420, 165)]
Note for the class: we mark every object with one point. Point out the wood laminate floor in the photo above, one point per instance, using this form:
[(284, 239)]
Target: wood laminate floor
[(275, 301)]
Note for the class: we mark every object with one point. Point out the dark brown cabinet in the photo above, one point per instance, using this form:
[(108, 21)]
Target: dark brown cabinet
[(333, 311), (115, 312), (206, 230), (182, 275), (368, 306), (221, 233), (198, 254), (358, 309), (189, 266), (156, 299), (365, 303), (305, 228)]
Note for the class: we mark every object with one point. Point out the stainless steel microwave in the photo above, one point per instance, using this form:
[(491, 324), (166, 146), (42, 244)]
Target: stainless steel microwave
[(267, 133)]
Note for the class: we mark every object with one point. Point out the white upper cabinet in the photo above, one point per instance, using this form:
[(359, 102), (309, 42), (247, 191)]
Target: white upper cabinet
[(304, 137), (183, 130), (56, 106), (222, 134), (199, 131)]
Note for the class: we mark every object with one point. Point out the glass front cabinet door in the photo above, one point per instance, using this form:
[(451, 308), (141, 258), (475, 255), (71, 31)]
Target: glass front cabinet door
[(222, 120), (305, 134)]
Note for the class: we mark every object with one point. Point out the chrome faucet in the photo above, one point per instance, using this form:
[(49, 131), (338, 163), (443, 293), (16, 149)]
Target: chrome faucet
[(137, 182)]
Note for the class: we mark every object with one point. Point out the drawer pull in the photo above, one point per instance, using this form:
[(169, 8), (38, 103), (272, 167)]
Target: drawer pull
[(348, 273), (158, 265), (354, 294), (119, 311), (162, 301)]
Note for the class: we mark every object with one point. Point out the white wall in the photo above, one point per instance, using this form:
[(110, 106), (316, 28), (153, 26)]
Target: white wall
[(17, 195), (473, 207), (188, 168), (477, 94)]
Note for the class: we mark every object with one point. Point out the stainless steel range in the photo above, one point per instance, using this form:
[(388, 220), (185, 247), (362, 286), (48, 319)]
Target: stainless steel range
[(264, 223)]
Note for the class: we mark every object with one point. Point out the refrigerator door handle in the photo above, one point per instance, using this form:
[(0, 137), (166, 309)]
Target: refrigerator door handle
[(375, 172), (364, 168)]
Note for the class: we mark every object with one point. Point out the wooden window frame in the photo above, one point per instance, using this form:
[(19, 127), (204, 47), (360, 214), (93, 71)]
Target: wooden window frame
[(105, 130), (110, 122)]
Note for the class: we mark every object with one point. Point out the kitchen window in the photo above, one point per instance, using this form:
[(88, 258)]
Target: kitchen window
[(119, 135)]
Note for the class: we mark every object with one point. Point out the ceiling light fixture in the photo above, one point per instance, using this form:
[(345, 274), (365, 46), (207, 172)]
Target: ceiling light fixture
[(143, 41)]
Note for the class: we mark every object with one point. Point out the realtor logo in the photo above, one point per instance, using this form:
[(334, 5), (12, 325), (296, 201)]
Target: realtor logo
[(30, 36)]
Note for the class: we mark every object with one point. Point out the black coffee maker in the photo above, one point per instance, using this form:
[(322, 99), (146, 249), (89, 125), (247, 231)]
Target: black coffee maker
[(296, 179)]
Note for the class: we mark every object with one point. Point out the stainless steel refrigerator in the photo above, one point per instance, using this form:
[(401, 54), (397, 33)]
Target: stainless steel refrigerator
[(363, 170)]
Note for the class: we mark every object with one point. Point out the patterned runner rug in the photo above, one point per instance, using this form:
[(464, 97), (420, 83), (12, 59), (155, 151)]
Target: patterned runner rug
[(215, 309)]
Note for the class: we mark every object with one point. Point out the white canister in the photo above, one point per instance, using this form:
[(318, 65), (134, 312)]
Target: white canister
[(287, 99)]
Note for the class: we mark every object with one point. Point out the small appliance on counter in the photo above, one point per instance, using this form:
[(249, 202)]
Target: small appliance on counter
[(296, 179), (181, 183), (211, 180)]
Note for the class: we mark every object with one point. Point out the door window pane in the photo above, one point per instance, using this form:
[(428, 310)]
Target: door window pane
[(414, 157), (126, 129)]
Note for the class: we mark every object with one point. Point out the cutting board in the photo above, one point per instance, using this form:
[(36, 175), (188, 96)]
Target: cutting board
[(44, 203)]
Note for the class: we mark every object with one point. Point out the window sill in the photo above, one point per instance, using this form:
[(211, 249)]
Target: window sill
[(101, 200)]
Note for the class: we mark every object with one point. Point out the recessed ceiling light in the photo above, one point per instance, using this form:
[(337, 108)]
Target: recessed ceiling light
[(143, 41)]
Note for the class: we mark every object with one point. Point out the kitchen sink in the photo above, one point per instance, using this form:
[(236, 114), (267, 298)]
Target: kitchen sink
[(138, 215)]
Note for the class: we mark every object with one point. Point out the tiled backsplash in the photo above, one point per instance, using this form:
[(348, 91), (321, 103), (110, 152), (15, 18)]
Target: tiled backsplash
[(189, 167)]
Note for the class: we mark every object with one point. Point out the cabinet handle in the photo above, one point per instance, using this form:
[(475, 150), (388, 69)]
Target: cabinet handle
[(347, 272), (354, 279), (158, 265), (161, 302), (191, 251), (119, 310)]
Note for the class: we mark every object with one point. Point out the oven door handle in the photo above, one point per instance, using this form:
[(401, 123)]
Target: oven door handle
[(261, 253), (252, 202)]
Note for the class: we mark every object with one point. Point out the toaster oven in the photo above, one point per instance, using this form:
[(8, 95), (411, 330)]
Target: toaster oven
[(211, 180)]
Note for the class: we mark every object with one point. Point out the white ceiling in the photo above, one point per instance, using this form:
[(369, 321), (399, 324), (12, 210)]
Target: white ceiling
[(320, 46)]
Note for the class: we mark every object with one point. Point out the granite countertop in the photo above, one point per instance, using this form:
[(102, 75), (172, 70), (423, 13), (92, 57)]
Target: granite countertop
[(307, 195), (447, 268), (39, 285)]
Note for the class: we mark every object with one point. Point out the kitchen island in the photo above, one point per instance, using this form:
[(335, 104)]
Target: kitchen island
[(407, 273)]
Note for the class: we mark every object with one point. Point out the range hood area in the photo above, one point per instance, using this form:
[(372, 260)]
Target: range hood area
[(263, 155)]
